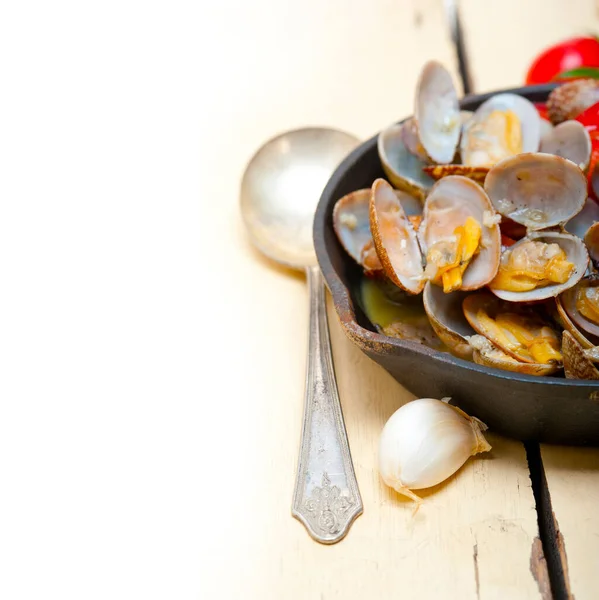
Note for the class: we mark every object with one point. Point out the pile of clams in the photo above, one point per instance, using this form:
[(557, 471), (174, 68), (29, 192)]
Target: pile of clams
[(486, 216)]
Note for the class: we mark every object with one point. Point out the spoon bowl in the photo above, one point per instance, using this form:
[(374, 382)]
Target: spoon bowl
[(281, 187)]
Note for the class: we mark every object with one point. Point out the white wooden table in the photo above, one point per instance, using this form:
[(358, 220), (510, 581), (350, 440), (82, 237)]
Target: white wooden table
[(153, 362), (353, 65)]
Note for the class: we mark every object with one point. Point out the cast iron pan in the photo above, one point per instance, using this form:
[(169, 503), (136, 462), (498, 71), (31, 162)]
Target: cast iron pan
[(544, 409)]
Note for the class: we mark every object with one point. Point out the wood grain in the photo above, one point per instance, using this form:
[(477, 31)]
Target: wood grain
[(502, 38), (573, 481), (333, 63)]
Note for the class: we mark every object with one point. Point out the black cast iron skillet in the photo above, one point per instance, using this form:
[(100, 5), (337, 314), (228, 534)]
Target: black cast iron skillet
[(544, 409)]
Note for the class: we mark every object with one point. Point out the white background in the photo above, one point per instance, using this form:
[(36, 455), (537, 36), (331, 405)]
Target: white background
[(105, 391)]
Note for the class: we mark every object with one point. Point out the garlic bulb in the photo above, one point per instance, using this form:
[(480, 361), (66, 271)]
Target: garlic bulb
[(425, 442)]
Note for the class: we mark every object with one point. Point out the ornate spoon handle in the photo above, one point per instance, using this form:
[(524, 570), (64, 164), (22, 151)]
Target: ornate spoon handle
[(326, 498)]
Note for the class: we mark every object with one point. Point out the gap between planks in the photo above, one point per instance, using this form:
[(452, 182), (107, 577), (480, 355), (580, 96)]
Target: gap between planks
[(549, 557)]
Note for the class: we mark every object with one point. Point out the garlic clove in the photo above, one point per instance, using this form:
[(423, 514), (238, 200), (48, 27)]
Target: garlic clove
[(425, 442)]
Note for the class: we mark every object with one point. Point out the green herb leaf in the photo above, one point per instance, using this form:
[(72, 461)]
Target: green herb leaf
[(581, 72)]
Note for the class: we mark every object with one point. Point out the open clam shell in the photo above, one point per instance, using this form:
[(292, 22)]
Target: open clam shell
[(450, 202), (546, 130), (484, 311), (575, 251), (445, 314), (581, 327), (437, 112), (569, 140), (395, 239), (351, 222), (403, 168), (577, 365), (591, 239), (579, 224), (537, 190), (486, 353), (409, 134), (488, 136)]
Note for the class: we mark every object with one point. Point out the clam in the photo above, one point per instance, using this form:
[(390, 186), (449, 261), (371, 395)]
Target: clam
[(578, 309), (459, 235), (546, 130), (591, 239), (352, 226), (487, 354), (570, 99), (403, 168), (518, 331), (579, 224), (437, 113), (446, 317), (542, 265), (503, 126), (411, 139), (569, 140), (351, 222), (577, 365), (537, 190), (395, 239)]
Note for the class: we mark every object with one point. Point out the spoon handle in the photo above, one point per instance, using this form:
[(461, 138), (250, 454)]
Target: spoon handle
[(326, 498)]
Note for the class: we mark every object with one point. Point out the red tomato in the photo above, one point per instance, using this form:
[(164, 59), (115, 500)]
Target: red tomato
[(565, 56)]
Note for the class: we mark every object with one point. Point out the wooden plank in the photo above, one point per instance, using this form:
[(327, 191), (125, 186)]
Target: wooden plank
[(573, 481), (503, 37), (340, 64)]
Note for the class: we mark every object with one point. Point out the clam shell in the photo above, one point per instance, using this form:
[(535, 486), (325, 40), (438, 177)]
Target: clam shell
[(409, 134), (585, 331), (487, 354), (447, 319), (437, 113), (403, 169), (570, 99), (576, 253), (579, 224), (591, 239), (493, 306), (576, 364), (351, 222), (450, 202), (352, 225), (399, 254), (527, 114), (537, 190), (569, 140), (477, 174), (546, 130)]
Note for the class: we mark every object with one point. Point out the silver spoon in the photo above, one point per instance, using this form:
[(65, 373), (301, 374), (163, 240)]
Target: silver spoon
[(279, 193)]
